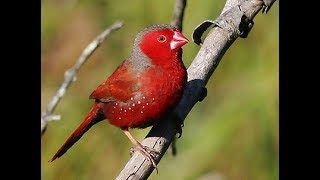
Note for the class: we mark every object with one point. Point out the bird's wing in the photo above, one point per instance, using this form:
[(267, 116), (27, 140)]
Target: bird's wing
[(120, 86)]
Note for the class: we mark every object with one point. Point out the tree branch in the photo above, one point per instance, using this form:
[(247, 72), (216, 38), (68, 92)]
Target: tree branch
[(178, 13), (70, 75), (235, 21)]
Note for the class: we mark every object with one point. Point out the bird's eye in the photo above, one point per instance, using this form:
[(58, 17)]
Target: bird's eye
[(161, 38)]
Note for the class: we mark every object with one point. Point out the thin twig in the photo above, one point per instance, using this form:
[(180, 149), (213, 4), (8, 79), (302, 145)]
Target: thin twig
[(178, 13), (206, 61), (71, 75)]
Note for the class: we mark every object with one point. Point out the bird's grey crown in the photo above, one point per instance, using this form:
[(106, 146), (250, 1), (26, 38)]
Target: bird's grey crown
[(141, 61), (152, 28)]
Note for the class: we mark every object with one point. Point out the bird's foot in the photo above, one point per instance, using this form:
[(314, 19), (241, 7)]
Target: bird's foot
[(147, 152), (146, 148)]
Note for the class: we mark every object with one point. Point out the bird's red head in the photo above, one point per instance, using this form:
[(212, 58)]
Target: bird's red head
[(161, 42)]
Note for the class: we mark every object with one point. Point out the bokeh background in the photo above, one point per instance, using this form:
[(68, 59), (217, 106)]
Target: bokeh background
[(232, 134)]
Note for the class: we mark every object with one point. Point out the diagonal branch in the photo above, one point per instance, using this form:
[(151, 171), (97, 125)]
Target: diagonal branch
[(235, 21), (70, 75)]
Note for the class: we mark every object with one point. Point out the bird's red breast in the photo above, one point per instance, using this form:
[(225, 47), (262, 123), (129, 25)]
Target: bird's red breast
[(147, 85)]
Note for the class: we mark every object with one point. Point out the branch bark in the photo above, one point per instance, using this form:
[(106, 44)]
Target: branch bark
[(178, 13), (70, 75), (234, 21)]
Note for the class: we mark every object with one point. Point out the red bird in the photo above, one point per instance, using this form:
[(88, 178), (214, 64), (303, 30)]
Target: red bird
[(143, 89)]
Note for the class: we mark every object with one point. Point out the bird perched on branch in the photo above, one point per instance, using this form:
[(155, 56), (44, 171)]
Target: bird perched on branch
[(142, 90)]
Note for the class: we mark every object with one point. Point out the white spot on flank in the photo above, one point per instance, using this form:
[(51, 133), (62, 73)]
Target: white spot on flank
[(141, 112), (121, 109), (143, 97), (114, 107), (142, 106), (131, 98), (129, 108), (116, 104), (133, 104), (125, 110), (147, 104), (152, 99), (119, 118), (139, 102)]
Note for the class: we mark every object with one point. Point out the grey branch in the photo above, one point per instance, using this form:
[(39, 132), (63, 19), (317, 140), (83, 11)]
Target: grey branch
[(71, 75), (224, 32), (178, 13)]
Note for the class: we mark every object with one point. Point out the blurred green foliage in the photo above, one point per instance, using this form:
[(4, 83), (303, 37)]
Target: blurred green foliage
[(232, 134)]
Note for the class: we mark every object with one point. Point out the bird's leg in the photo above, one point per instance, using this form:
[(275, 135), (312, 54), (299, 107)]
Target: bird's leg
[(145, 151)]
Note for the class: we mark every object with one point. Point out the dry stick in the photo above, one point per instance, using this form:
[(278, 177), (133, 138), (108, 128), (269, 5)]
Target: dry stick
[(178, 12), (70, 75), (214, 47)]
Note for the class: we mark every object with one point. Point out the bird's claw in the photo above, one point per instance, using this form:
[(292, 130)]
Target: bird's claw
[(147, 152)]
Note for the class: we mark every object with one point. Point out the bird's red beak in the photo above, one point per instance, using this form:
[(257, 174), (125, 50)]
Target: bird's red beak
[(178, 40)]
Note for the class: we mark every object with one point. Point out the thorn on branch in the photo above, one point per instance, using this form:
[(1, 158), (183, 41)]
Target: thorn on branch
[(267, 5)]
